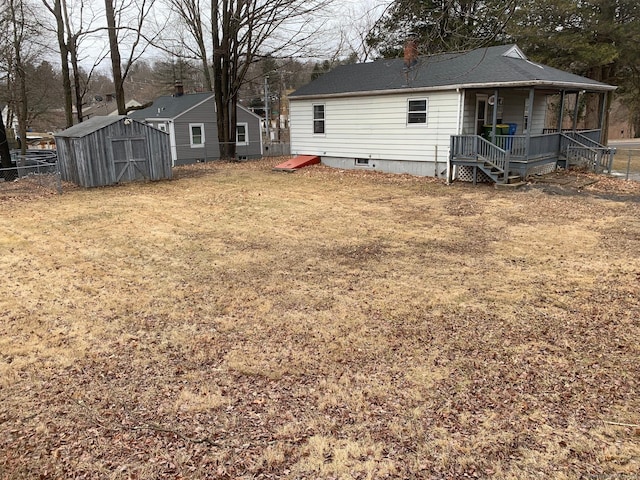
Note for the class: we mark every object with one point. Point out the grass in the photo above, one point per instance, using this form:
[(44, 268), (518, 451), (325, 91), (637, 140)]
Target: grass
[(238, 323)]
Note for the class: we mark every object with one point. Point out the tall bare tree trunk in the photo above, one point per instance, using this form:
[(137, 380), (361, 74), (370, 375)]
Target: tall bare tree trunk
[(77, 84), (116, 61), (5, 153), (56, 10), (17, 20)]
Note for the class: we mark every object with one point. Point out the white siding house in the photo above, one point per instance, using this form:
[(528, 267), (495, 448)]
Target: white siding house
[(481, 110), (376, 132)]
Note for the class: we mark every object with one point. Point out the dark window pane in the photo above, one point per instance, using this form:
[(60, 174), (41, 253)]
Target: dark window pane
[(417, 105), (417, 118)]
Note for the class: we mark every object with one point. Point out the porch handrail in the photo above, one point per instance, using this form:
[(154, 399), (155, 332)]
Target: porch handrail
[(583, 139), (598, 156), (479, 149)]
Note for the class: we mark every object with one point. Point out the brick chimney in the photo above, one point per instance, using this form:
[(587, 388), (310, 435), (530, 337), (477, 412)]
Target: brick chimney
[(410, 53), (178, 89)]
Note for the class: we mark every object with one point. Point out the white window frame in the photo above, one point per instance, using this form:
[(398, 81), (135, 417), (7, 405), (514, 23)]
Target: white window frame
[(162, 127), (196, 145), (246, 133), (425, 112), (323, 119)]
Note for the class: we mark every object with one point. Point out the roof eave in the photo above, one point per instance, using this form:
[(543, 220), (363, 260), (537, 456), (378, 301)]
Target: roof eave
[(520, 84)]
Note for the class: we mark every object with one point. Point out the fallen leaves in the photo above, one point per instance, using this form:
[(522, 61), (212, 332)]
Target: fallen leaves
[(239, 323)]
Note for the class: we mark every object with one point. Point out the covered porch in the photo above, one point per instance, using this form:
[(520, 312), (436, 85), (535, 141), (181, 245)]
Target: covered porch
[(508, 134)]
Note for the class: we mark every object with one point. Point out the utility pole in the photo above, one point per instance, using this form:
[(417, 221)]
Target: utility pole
[(266, 107)]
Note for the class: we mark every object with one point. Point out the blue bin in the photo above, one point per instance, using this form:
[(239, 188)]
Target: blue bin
[(513, 128)]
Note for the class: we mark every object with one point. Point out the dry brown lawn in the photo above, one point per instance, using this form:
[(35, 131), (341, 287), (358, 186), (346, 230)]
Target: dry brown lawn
[(237, 323)]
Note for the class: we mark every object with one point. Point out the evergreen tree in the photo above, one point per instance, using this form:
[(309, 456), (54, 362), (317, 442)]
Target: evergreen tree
[(440, 26), (595, 38)]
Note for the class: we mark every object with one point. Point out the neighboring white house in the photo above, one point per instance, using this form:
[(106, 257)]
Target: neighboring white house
[(384, 116)]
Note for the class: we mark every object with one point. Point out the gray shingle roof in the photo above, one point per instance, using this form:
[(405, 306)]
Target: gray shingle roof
[(486, 67), (168, 106), (89, 126)]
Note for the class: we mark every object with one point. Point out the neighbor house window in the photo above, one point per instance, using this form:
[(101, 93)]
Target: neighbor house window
[(318, 119), (242, 134), (196, 133), (417, 111)]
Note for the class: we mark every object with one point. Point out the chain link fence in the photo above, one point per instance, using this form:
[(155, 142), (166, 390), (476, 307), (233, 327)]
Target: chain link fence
[(36, 167), (626, 163)]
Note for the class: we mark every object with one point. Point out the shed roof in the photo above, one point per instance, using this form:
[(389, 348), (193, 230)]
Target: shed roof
[(89, 126), (169, 106), (490, 67)]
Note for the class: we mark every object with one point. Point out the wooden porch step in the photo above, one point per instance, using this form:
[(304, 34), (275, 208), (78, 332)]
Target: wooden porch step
[(509, 186), (510, 179)]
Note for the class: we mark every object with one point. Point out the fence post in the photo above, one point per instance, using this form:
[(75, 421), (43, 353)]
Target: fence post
[(628, 166), (612, 153)]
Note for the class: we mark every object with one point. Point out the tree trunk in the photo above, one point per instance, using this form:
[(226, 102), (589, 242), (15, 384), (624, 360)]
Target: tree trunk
[(116, 61), (64, 63), (5, 153), (77, 85)]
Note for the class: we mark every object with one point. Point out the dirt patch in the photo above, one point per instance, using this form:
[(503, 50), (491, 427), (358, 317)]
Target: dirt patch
[(600, 186)]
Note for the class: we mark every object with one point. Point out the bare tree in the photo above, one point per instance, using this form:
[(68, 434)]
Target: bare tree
[(5, 153), (125, 30), (361, 21), (55, 8), (191, 15), (240, 32), (20, 33)]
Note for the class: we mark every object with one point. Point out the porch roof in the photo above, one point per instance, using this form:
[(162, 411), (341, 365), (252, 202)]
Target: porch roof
[(492, 67)]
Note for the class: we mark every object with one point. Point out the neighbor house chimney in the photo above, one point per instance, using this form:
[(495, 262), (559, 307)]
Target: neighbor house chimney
[(410, 53), (179, 89)]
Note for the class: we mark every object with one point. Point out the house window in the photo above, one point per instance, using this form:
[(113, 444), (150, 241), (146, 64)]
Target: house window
[(196, 134), (162, 127), (417, 111), (242, 134), (318, 119)]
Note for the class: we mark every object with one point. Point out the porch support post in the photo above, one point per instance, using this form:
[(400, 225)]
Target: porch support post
[(495, 115), (563, 96), (575, 112), (604, 100), (532, 96)]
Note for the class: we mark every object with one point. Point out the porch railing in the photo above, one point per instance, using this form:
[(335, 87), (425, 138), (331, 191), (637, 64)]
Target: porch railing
[(588, 138), (524, 148), (520, 147), (479, 149)]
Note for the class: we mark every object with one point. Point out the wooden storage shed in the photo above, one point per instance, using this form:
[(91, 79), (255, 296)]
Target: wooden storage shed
[(113, 149)]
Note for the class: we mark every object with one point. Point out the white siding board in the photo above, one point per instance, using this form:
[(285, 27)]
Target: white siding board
[(375, 127)]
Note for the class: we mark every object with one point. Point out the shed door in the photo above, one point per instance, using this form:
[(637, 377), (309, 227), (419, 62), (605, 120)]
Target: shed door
[(130, 159)]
